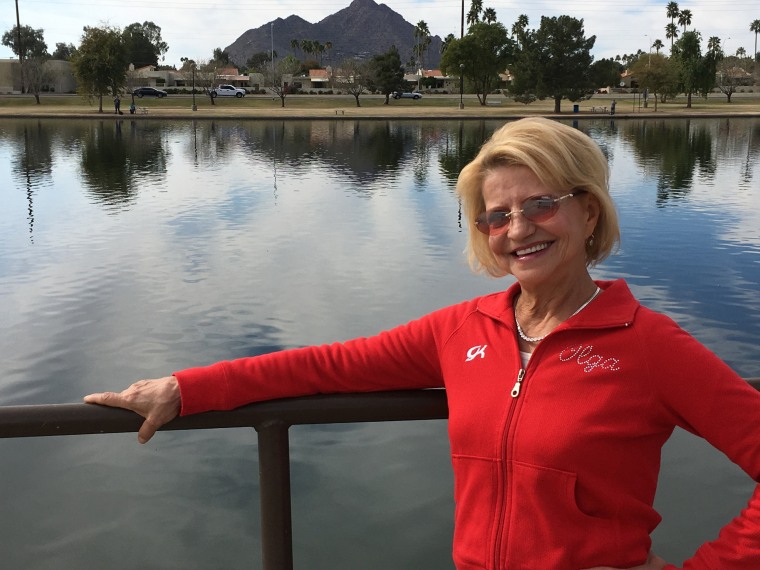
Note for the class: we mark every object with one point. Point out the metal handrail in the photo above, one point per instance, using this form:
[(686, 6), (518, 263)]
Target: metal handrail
[(271, 420)]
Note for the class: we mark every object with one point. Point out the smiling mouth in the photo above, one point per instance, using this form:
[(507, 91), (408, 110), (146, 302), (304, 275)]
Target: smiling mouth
[(532, 249)]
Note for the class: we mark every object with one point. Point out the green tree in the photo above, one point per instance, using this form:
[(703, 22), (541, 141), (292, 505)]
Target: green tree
[(485, 51), (100, 64), (554, 61), (385, 72), (32, 42), (221, 57), (658, 75), (697, 72), (143, 44), (30, 47), (259, 60), (605, 73), (64, 51), (658, 45), (295, 46), (755, 27)]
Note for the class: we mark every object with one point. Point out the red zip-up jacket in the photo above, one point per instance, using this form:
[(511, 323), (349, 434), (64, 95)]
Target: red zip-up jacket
[(555, 464)]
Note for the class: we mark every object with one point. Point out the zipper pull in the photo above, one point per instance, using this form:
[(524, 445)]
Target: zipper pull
[(516, 388)]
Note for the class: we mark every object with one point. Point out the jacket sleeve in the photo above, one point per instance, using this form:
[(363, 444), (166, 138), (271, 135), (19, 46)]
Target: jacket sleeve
[(701, 394), (405, 357)]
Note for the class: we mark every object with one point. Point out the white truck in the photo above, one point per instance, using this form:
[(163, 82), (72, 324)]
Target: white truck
[(227, 91)]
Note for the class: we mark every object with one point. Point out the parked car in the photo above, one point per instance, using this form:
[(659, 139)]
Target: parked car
[(149, 92), (407, 95), (228, 91)]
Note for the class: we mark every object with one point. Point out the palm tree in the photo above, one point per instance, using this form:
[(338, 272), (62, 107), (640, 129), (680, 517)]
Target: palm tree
[(672, 11), (713, 46), (295, 44), (473, 16), (671, 33), (328, 47), (684, 19), (447, 42), (307, 46), (318, 49), (658, 45), (741, 52), (519, 27), (422, 40), (489, 15), (755, 27)]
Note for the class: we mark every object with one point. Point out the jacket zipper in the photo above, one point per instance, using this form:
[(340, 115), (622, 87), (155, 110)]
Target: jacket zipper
[(500, 523)]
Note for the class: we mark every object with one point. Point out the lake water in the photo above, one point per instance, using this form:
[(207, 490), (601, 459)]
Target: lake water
[(131, 249)]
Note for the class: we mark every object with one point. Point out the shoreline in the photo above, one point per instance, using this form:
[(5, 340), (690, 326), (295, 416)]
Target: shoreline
[(300, 107)]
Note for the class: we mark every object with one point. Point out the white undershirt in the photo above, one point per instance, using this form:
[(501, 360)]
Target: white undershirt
[(524, 356)]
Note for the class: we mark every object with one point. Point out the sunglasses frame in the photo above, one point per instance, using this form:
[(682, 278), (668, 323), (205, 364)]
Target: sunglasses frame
[(480, 220)]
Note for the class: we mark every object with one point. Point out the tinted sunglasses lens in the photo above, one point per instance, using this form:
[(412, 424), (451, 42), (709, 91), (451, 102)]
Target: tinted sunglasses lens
[(540, 209), (492, 223)]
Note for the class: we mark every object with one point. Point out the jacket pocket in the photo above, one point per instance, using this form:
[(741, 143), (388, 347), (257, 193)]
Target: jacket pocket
[(475, 496), (547, 529)]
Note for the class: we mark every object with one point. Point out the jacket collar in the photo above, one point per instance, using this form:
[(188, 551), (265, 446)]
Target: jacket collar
[(615, 306)]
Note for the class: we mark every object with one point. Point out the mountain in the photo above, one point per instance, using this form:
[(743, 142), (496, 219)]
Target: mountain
[(362, 30)]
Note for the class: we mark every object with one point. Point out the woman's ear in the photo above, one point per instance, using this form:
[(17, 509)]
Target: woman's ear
[(592, 210)]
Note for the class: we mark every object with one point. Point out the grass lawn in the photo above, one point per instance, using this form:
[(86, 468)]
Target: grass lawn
[(262, 105)]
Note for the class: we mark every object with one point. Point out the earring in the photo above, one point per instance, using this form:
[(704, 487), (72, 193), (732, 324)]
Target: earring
[(590, 241)]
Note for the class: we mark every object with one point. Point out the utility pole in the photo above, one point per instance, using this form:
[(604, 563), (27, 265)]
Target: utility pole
[(20, 47)]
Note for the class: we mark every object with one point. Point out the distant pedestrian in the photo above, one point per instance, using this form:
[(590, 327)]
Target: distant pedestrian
[(117, 105), (612, 107)]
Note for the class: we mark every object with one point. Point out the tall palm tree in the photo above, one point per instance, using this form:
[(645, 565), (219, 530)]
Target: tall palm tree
[(489, 15), (295, 44), (671, 33), (755, 27), (658, 45), (317, 49), (307, 46), (328, 47), (473, 16), (422, 40), (672, 12), (447, 42), (713, 46), (684, 19)]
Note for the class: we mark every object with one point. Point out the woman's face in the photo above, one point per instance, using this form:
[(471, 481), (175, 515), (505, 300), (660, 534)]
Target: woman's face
[(540, 253)]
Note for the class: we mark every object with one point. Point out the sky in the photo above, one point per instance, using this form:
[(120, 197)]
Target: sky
[(193, 28)]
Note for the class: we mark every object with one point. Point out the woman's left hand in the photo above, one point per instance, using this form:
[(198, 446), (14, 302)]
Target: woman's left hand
[(654, 562)]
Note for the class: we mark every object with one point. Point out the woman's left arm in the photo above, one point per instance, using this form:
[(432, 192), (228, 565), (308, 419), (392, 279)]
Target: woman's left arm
[(701, 394)]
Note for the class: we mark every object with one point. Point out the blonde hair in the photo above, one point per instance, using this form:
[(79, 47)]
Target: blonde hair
[(562, 158)]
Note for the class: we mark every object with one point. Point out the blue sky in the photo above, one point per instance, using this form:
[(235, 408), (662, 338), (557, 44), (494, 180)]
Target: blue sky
[(193, 28)]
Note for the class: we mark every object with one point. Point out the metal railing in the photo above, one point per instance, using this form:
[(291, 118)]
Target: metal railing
[(271, 420)]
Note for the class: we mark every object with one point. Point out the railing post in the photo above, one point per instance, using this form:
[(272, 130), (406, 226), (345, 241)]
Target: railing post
[(274, 481)]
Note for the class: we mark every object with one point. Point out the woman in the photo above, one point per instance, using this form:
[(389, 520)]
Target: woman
[(561, 390)]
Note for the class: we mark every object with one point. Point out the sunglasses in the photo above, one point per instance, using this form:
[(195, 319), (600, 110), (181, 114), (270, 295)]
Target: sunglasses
[(536, 209)]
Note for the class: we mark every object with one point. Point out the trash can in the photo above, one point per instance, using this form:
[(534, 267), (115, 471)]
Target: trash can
[(576, 108)]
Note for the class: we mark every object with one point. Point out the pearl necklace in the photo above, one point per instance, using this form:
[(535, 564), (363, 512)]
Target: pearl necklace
[(527, 338)]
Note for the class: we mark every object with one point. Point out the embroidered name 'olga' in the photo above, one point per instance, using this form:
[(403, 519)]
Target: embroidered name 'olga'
[(584, 357)]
